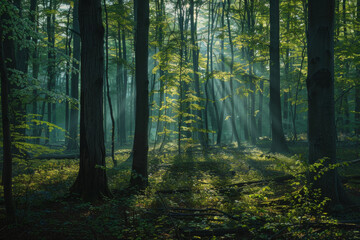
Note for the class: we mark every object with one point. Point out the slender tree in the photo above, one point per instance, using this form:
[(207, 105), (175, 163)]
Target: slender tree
[(107, 84), (91, 182), (139, 176), (74, 111), (278, 143), (357, 89)]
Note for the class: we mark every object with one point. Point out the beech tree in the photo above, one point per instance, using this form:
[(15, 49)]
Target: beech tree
[(278, 143), (91, 182), (139, 175), (320, 86)]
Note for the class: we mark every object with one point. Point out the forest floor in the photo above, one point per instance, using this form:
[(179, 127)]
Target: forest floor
[(224, 194)]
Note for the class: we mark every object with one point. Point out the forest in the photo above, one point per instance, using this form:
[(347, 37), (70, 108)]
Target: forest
[(180, 119)]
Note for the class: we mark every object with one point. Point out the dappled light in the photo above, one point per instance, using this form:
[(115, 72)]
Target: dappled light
[(179, 119)]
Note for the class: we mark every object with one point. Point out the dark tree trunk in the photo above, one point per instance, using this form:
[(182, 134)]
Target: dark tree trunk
[(122, 83), (67, 76), (139, 175), (232, 92), (74, 111), (91, 182), (35, 66), (357, 89), (7, 158), (124, 91), (195, 56), (278, 143), (159, 38), (223, 91), (107, 85), (260, 114), (320, 86), (50, 22), (119, 90)]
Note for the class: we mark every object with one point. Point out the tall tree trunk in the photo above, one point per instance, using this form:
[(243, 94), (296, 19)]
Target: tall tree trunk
[(357, 88), (67, 76), (91, 182), (119, 90), (232, 93), (7, 158), (35, 66), (278, 143), (74, 111), (195, 56), (320, 86), (159, 15), (51, 64), (223, 92), (124, 89), (260, 114), (139, 175), (107, 85)]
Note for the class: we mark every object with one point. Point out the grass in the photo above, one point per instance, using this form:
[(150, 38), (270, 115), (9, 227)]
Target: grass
[(190, 197)]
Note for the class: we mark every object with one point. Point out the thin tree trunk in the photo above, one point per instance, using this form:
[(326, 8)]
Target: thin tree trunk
[(74, 111), (222, 57), (67, 77), (35, 66), (195, 56), (107, 85), (232, 93), (278, 143), (51, 64), (357, 88)]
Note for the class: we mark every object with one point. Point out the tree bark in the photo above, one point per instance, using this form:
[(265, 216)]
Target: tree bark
[(139, 174), (107, 85), (7, 158), (50, 23), (357, 89), (91, 182), (232, 92), (35, 66), (278, 143), (74, 111), (195, 56), (320, 86)]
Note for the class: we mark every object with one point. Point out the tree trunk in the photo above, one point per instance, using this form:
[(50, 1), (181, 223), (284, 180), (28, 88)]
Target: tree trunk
[(139, 174), (51, 64), (260, 114), (232, 92), (357, 88), (91, 182), (35, 66), (67, 76), (278, 143), (119, 90), (7, 158), (223, 91), (107, 85), (74, 111), (320, 86), (195, 56)]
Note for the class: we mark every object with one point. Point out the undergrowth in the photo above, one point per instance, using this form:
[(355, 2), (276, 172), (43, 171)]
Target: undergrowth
[(225, 194)]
